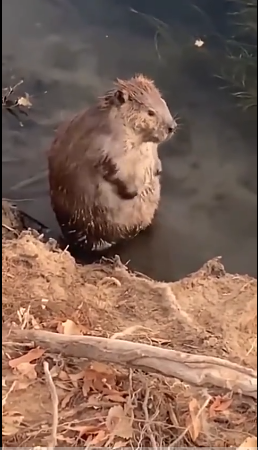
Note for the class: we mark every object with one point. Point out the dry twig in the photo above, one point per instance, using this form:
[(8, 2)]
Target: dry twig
[(147, 420), (183, 434), (54, 398), (4, 399), (17, 104), (10, 229)]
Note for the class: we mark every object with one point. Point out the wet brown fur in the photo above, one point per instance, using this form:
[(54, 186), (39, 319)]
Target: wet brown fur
[(104, 166)]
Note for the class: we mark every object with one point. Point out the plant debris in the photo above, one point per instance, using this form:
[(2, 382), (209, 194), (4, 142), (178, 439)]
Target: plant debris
[(17, 104), (52, 400)]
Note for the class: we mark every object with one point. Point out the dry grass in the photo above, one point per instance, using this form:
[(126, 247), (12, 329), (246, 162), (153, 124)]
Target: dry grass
[(107, 405), (110, 406)]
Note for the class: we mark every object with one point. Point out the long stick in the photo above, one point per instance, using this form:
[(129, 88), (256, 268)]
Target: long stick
[(198, 370)]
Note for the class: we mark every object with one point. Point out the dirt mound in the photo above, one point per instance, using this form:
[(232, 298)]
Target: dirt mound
[(210, 312)]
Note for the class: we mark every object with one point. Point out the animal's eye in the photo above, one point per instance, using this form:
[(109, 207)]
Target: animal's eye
[(151, 112)]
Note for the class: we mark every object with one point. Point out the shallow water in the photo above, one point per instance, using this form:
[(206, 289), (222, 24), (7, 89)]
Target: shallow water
[(67, 53)]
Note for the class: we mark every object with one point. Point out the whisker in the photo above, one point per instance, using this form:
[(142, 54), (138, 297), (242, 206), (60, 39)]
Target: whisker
[(177, 118)]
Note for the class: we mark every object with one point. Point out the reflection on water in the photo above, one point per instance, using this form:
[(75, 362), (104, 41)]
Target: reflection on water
[(68, 52)]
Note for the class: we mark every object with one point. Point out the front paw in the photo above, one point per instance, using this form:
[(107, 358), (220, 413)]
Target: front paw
[(158, 169), (125, 192)]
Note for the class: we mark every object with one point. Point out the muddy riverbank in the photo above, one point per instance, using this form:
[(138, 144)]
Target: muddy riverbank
[(209, 312)]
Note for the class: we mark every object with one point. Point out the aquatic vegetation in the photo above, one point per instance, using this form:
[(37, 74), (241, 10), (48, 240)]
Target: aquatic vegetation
[(224, 47), (240, 67)]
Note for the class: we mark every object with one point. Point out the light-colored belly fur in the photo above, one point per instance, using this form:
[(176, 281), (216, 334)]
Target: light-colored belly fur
[(92, 208), (124, 216)]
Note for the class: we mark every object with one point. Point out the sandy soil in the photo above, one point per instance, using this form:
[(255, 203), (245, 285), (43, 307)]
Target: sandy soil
[(209, 312)]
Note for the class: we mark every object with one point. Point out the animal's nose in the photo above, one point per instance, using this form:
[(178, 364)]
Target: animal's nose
[(172, 126)]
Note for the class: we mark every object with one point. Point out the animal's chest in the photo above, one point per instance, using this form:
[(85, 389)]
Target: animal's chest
[(143, 163)]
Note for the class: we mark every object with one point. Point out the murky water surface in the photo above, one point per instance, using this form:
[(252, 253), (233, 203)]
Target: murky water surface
[(67, 53)]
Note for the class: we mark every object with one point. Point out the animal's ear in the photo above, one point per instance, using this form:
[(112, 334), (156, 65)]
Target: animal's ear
[(121, 96)]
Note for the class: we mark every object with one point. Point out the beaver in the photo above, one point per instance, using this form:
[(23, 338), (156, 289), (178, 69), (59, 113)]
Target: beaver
[(104, 169)]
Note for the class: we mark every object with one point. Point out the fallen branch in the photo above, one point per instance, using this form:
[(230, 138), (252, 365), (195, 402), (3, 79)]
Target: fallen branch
[(197, 370)]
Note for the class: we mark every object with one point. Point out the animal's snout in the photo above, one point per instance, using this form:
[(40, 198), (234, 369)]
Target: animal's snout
[(172, 127)]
